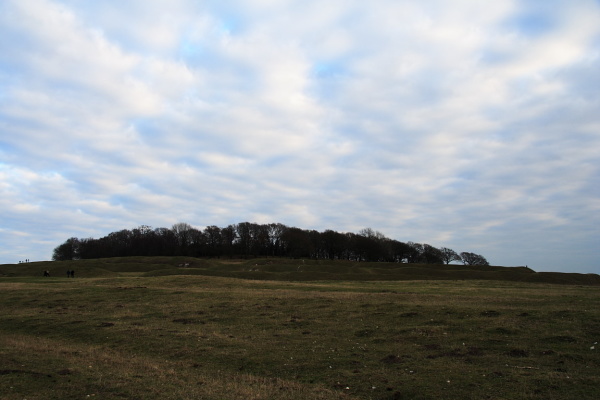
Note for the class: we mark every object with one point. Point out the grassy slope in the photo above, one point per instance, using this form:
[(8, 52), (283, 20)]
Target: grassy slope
[(290, 269), (144, 328), (203, 337)]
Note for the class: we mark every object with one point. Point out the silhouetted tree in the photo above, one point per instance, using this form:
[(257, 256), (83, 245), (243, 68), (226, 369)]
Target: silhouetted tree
[(250, 239), (431, 255), (243, 241), (449, 255), (197, 246), (183, 235), (473, 259), (69, 250), (214, 240), (367, 245), (275, 245), (166, 241), (261, 242), (399, 251), (334, 244), (297, 243), (414, 253), (229, 236), (142, 241), (117, 244), (91, 248)]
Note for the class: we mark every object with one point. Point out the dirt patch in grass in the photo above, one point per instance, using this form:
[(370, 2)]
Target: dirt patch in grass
[(409, 314), (131, 287), (458, 352), (502, 331), (188, 321), (517, 353), (560, 339), (364, 333), (490, 313), (394, 359)]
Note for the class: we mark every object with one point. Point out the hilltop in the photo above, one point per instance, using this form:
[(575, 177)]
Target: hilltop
[(286, 269)]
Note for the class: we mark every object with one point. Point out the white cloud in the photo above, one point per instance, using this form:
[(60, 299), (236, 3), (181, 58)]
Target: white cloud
[(471, 124)]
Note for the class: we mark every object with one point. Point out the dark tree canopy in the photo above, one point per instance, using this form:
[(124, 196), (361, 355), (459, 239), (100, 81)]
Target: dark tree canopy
[(69, 250), (247, 239), (473, 259), (449, 255)]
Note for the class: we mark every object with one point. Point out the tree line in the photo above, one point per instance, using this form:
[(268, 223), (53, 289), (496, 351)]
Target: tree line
[(259, 240)]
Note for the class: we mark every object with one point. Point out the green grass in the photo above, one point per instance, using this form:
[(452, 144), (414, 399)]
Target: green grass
[(290, 270), (122, 330)]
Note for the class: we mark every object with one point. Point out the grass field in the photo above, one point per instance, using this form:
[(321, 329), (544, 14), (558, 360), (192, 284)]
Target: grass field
[(146, 330)]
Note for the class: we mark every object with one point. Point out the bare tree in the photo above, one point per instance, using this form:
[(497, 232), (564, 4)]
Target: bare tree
[(449, 255), (473, 259), (183, 234)]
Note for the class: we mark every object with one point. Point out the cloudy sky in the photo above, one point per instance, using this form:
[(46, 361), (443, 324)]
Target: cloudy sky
[(473, 125)]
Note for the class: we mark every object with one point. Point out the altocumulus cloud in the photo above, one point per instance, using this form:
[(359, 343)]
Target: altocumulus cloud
[(470, 125)]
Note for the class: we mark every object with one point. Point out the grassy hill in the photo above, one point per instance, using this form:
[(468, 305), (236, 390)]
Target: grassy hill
[(141, 329), (290, 269)]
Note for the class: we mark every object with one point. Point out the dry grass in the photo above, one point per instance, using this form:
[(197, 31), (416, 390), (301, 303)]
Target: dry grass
[(195, 337), (54, 369)]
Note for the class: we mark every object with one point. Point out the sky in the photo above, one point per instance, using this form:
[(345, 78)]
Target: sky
[(472, 125)]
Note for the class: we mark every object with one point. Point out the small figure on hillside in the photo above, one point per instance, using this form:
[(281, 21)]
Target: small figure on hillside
[(72, 273), (46, 273), (68, 273)]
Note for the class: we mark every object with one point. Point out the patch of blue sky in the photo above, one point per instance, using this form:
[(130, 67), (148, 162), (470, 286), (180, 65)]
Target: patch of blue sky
[(122, 201), (10, 70), (148, 128), (192, 162), (7, 152), (534, 24), (327, 77), (536, 19), (496, 57), (231, 25), (12, 77), (203, 56), (199, 55), (350, 129), (272, 162), (466, 177), (509, 131), (231, 19), (328, 69), (190, 49), (582, 79)]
